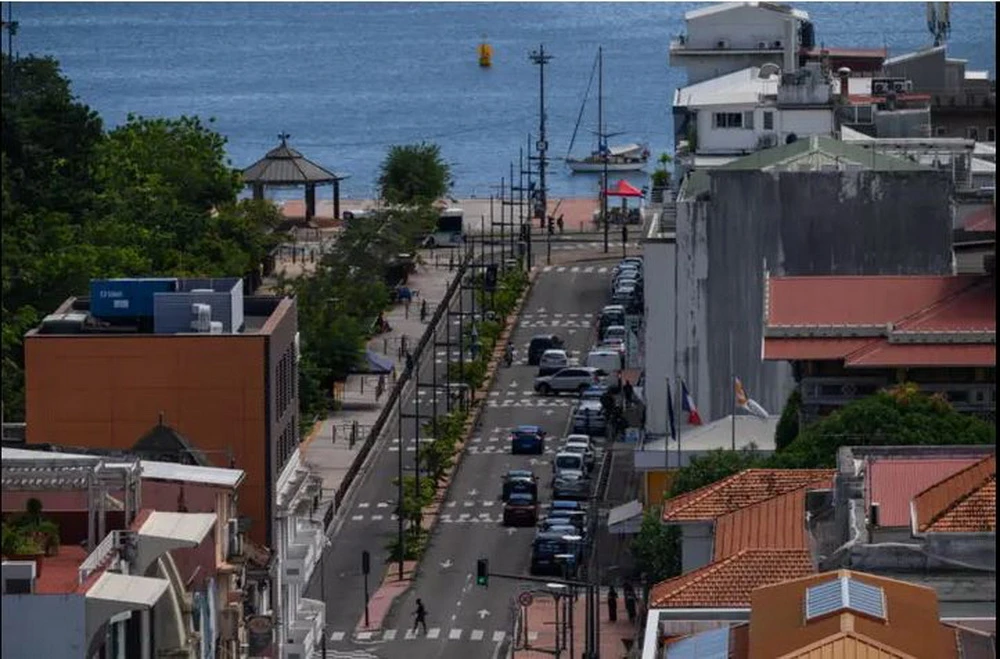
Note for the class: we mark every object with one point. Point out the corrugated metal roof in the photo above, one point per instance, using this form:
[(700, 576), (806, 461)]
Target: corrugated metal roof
[(765, 159), (286, 166), (795, 349), (744, 87), (881, 353), (962, 502), (892, 484), (729, 582), (722, 7), (847, 645)]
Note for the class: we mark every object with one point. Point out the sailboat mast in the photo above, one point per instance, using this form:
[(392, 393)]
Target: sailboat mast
[(600, 99)]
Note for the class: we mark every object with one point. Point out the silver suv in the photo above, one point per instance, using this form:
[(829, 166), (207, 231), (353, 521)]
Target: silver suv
[(576, 379)]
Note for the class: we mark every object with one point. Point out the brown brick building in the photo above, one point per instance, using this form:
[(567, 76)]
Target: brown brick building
[(229, 387)]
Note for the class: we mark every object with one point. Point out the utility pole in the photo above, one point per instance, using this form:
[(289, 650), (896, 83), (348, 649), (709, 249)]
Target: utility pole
[(602, 143), (540, 58)]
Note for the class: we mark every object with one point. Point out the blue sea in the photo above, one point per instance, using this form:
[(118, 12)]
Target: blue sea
[(347, 80)]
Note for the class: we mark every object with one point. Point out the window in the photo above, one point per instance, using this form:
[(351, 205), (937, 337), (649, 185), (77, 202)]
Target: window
[(748, 120), (768, 121), (972, 133), (940, 131), (845, 593), (729, 120), (991, 134)]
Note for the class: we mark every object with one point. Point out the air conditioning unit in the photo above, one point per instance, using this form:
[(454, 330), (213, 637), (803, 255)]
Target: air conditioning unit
[(762, 45), (722, 43), (19, 577), (777, 44), (215, 327), (201, 317)]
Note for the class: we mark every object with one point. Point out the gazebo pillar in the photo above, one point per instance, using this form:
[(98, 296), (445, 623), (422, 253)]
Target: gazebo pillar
[(336, 199), (258, 191), (310, 201)]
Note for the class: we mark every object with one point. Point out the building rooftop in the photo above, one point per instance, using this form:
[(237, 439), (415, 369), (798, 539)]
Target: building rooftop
[(778, 522), (729, 582), (893, 482), (962, 502), (817, 150), (740, 490), (882, 320), (737, 88), (721, 8), (749, 429), (984, 219)]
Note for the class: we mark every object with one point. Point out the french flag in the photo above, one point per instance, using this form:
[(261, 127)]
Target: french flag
[(687, 404)]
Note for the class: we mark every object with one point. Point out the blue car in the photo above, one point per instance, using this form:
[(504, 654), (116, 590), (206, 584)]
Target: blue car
[(527, 439)]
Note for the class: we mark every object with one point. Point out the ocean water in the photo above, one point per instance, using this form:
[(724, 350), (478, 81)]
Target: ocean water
[(347, 80)]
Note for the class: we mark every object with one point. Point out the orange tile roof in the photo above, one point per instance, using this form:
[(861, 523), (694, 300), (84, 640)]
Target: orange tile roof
[(964, 502), (775, 523), (847, 645), (740, 490), (729, 582)]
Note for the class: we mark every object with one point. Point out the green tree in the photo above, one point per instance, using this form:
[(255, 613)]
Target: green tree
[(414, 174), (898, 416), (788, 424), (714, 466), (656, 548)]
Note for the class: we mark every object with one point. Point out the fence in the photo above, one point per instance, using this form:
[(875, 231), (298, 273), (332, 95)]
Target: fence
[(397, 391)]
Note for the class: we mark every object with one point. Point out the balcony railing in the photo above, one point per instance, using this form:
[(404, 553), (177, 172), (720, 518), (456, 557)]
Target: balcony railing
[(100, 557), (681, 45)]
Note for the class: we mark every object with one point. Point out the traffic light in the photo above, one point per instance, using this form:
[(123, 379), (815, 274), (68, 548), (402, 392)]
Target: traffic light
[(483, 572)]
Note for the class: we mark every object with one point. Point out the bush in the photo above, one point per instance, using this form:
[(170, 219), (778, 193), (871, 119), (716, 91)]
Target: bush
[(788, 425)]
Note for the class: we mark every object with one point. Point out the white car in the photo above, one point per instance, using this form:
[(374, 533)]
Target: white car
[(576, 379), (552, 361), (615, 333)]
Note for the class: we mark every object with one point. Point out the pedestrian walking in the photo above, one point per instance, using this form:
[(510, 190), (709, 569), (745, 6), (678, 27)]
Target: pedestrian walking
[(559, 222), (409, 361), (612, 604), (423, 311), (629, 393), (630, 602), (420, 617)]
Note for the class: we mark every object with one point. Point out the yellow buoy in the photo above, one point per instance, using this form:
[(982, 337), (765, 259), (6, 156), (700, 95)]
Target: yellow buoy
[(485, 55)]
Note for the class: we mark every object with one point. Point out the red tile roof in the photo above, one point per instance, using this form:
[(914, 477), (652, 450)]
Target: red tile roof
[(740, 490), (882, 321), (60, 574), (729, 582), (962, 502), (778, 522), (892, 484)]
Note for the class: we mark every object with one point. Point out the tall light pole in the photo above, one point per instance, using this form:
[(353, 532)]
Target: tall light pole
[(602, 143), (540, 58)]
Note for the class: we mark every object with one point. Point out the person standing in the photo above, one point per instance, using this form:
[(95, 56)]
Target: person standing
[(630, 602), (629, 393), (420, 617), (423, 310), (612, 604)]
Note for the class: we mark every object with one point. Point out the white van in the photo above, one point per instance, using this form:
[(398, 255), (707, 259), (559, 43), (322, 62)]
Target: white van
[(609, 361)]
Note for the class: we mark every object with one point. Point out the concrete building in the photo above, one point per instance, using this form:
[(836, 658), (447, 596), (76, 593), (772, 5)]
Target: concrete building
[(849, 337), (100, 375), (121, 593), (963, 102), (813, 207), (219, 577), (726, 37)]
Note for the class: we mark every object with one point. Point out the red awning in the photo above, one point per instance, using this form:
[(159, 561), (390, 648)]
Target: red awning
[(624, 189)]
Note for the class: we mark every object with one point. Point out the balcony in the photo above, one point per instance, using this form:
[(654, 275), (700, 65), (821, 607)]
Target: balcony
[(681, 47), (306, 630)]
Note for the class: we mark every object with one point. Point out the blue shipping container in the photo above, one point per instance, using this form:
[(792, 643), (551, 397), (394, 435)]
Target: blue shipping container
[(126, 298)]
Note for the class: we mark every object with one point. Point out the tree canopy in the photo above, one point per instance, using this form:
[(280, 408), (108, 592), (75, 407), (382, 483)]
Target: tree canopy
[(414, 174)]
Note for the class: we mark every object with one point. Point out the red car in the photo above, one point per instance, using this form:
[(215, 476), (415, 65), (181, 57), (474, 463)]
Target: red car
[(521, 509)]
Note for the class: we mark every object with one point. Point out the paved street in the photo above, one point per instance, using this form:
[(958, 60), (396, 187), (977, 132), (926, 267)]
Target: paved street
[(464, 620)]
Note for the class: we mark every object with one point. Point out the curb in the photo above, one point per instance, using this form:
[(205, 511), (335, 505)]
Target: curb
[(429, 514)]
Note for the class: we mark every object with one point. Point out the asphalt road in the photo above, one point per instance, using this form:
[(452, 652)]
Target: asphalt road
[(465, 620), (367, 522)]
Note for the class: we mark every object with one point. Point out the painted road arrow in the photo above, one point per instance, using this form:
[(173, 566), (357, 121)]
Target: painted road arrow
[(446, 564), (482, 613)]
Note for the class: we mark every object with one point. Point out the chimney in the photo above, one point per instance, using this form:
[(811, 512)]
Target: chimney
[(845, 75)]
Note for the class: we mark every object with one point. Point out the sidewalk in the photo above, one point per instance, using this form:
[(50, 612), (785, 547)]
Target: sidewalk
[(541, 629), (329, 449)]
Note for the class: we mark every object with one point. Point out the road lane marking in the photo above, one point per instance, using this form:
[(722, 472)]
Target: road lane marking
[(337, 637), (476, 635), (499, 636), (454, 634), (433, 632), (389, 635)]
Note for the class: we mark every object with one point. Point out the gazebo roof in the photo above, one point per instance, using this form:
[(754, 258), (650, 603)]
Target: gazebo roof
[(284, 165)]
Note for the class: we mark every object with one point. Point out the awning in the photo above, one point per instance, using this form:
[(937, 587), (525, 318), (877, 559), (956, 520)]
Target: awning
[(624, 189), (625, 519), (115, 593), (375, 364), (166, 531)]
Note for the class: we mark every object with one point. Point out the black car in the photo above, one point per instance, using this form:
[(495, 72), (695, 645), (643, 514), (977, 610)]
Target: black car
[(539, 344)]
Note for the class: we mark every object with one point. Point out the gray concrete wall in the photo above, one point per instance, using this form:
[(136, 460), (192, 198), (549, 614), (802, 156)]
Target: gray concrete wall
[(51, 626), (696, 545), (798, 223)]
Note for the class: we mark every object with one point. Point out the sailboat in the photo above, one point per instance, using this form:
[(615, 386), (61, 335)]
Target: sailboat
[(621, 158)]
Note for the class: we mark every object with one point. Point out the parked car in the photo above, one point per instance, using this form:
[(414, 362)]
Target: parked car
[(582, 444), (552, 361), (617, 345), (527, 439), (521, 509), (594, 391), (539, 344), (626, 295), (571, 485), (575, 379), (567, 461), (588, 418), (609, 361), (555, 553), (576, 519), (615, 332), (519, 481), (612, 314)]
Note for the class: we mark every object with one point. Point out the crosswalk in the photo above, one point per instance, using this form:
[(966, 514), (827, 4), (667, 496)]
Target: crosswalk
[(585, 269), (614, 245), (433, 634)]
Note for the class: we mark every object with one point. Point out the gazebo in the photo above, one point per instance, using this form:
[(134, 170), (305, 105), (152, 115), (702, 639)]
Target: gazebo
[(284, 166)]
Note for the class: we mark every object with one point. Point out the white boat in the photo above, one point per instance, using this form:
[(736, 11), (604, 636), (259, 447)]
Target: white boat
[(623, 158)]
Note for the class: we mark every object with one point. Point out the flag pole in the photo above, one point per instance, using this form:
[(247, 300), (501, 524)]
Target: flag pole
[(666, 439), (679, 411), (732, 391)]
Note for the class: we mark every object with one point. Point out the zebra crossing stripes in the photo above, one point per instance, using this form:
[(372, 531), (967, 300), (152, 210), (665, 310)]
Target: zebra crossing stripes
[(457, 634), (585, 269)]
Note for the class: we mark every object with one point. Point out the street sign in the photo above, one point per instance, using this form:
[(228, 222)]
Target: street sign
[(525, 599)]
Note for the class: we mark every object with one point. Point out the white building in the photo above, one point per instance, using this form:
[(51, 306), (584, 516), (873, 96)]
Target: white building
[(755, 108), (727, 37), (300, 541)]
